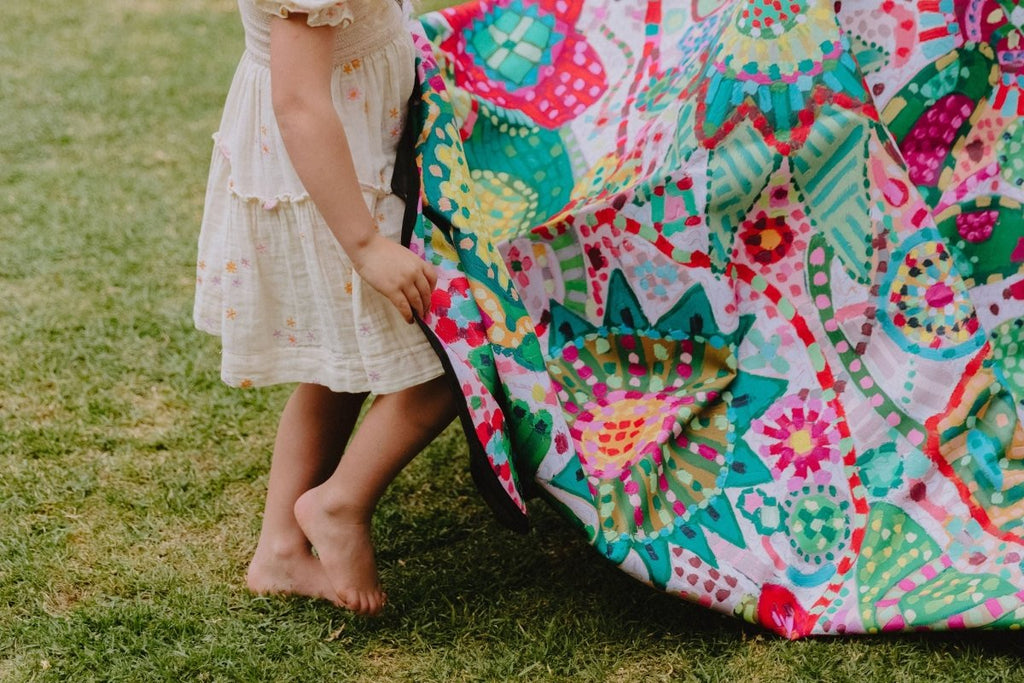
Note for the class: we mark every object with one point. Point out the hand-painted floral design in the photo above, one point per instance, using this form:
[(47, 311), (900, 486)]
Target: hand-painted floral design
[(768, 352), (655, 280), (762, 510), (650, 408), (818, 525), (772, 65), (881, 469), (924, 309), (767, 238), (519, 265), (721, 315), (526, 180), (801, 436), (522, 55), (975, 83), (982, 448)]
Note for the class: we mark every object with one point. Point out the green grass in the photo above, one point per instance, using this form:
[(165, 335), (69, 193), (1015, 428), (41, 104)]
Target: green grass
[(131, 480)]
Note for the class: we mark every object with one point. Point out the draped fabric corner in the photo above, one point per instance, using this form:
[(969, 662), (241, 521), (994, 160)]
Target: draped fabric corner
[(738, 288)]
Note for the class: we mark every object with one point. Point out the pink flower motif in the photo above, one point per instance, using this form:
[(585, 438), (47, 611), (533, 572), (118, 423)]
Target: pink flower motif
[(801, 433)]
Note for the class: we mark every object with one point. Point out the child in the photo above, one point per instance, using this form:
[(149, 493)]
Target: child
[(302, 275)]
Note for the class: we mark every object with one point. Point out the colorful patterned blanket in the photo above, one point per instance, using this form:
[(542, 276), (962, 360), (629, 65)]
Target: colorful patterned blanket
[(738, 287)]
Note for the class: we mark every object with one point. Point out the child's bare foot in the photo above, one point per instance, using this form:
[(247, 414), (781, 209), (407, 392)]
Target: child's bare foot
[(341, 537), (289, 573)]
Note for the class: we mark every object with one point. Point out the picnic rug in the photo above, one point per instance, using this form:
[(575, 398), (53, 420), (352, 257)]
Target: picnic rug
[(738, 287)]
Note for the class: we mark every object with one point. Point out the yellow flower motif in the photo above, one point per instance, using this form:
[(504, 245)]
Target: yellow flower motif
[(231, 267), (290, 322), (231, 314), (246, 383)]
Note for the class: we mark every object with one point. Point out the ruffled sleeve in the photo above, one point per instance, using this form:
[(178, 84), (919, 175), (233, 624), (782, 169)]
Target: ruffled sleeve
[(318, 12)]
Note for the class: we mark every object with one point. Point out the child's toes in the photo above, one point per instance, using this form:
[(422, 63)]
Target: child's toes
[(377, 604), (351, 600), (367, 604), (359, 603)]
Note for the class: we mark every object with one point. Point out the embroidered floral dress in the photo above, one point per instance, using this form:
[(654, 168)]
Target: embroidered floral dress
[(272, 280)]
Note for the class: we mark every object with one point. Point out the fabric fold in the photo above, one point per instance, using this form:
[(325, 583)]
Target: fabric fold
[(739, 289)]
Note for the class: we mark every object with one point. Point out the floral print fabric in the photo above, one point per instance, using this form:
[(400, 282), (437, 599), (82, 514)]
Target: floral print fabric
[(737, 286)]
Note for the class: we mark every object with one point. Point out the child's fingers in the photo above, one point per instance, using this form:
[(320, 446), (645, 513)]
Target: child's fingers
[(412, 301), (431, 272), (401, 302), (418, 296), (425, 290)]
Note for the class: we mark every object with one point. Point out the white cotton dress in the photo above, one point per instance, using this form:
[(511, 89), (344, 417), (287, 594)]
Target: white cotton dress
[(272, 280)]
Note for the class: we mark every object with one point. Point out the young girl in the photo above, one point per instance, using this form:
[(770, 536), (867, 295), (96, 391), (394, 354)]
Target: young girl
[(302, 275)]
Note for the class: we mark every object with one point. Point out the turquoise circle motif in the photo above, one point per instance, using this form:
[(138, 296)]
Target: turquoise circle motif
[(923, 303)]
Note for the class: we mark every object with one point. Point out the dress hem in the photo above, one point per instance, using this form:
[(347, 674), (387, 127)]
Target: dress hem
[(291, 366)]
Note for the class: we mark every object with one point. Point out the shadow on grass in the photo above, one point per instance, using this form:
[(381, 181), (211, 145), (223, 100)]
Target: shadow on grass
[(470, 600)]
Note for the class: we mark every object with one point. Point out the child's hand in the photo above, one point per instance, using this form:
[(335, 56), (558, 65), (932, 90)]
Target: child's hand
[(397, 273)]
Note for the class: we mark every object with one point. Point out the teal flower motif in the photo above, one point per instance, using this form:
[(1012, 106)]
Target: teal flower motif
[(527, 56), (768, 353), (515, 43)]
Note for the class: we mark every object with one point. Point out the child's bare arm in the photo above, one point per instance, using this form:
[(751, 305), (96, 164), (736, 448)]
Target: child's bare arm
[(300, 72)]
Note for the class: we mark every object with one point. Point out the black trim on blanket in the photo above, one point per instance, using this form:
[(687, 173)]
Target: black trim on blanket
[(405, 183), (405, 179)]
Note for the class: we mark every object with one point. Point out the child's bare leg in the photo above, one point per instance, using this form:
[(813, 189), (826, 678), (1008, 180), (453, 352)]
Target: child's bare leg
[(315, 426), (335, 516)]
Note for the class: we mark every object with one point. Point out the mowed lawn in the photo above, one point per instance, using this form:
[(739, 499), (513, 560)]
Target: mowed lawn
[(131, 480)]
